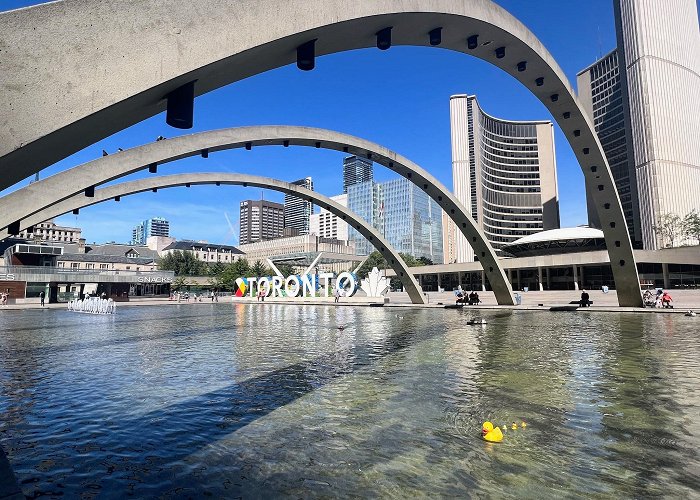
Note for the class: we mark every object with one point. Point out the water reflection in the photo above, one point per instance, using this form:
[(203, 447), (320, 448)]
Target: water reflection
[(278, 400)]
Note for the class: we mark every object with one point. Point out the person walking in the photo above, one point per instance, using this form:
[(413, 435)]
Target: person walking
[(41, 296)]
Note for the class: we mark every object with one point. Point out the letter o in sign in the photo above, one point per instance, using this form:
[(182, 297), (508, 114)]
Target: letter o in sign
[(292, 286), (340, 283), (264, 285)]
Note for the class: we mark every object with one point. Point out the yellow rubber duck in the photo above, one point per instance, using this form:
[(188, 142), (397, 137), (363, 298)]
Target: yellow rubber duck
[(514, 426), (524, 425), (491, 433)]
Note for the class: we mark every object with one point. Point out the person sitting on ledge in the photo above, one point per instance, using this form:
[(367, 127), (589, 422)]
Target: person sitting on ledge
[(474, 299), (585, 299), (666, 301)]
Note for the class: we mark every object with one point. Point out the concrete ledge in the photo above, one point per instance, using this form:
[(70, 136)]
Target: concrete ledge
[(9, 487), (314, 300)]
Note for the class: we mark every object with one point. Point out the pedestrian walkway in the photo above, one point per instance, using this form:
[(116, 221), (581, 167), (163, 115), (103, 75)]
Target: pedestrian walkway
[(683, 300)]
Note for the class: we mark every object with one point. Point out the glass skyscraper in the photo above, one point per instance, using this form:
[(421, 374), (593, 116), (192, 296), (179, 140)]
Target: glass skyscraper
[(363, 200), (356, 170), (403, 213), (411, 220)]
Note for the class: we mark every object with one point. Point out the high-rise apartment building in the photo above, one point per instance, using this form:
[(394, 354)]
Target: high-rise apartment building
[(658, 54), (504, 173), (297, 210), (604, 98), (155, 226), (328, 225), (355, 170), (260, 220)]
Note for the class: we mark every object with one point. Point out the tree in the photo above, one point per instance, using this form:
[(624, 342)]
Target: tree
[(215, 268), (425, 261), (410, 260), (375, 259), (227, 277), (670, 228), (214, 283), (178, 283), (691, 225), (286, 269), (259, 269), (182, 263)]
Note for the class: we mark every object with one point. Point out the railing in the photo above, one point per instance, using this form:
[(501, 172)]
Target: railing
[(36, 270)]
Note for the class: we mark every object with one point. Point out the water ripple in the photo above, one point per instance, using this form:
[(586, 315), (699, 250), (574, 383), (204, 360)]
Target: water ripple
[(274, 400)]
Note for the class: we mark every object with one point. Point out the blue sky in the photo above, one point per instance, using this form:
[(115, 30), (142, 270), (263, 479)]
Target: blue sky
[(398, 98)]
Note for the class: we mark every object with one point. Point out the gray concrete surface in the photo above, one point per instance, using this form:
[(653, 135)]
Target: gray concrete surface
[(21, 205), (683, 300), (119, 60)]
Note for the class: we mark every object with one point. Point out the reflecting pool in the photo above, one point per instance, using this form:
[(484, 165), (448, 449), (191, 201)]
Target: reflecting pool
[(277, 400)]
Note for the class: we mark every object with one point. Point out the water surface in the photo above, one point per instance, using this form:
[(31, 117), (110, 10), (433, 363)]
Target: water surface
[(267, 400)]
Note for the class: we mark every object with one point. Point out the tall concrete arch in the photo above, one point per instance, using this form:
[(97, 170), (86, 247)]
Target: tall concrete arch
[(55, 101), (390, 254), (18, 205)]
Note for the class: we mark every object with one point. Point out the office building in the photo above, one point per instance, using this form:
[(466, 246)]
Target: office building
[(50, 231), (356, 170), (297, 210), (364, 201), (156, 226), (659, 55), (260, 220), (604, 99), (449, 240), (410, 220), (407, 217), (504, 173), (210, 253), (303, 250), (328, 225)]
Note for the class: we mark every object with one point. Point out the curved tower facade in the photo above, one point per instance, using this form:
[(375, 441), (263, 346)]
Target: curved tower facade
[(659, 49), (504, 172)]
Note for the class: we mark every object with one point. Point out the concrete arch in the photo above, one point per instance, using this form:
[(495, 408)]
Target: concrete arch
[(18, 205), (392, 257), (74, 98)]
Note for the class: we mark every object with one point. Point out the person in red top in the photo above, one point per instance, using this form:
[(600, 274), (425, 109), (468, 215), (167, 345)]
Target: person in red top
[(666, 301)]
